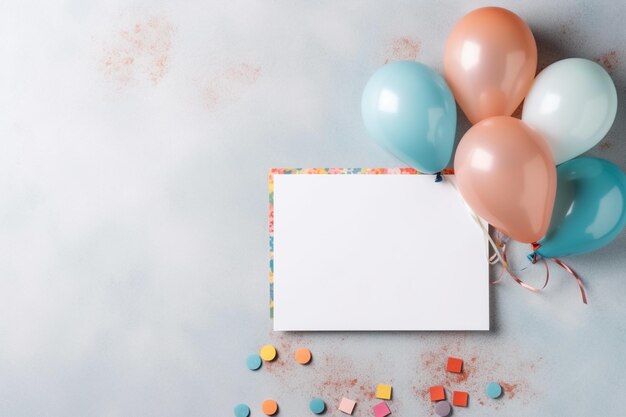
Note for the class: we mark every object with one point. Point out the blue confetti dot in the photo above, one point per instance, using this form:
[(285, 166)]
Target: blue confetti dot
[(254, 362), (317, 406), (242, 410), (494, 390)]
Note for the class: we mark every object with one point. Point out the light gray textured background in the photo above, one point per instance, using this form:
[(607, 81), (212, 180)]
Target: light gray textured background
[(135, 140)]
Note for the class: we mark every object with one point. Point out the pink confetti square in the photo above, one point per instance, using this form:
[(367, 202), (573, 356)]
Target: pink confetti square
[(347, 405), (381, 410)]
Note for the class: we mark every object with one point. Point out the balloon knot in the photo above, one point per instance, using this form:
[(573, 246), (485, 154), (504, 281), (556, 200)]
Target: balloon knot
[(438, 177)]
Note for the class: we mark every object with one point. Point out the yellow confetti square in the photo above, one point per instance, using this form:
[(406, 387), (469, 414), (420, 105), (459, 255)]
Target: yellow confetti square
[(383, 391)]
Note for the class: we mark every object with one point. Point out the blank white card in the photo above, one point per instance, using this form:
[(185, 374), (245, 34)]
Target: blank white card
[(376, 252)]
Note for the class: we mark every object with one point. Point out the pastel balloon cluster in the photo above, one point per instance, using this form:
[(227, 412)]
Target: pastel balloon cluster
[(506, 168)]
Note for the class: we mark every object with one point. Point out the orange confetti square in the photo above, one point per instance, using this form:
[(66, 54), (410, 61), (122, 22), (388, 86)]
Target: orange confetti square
[(455, 365), (459, 398), (437, 393)]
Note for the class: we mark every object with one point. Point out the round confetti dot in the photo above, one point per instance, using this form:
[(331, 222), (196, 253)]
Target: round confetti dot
[(269, 407), (254, 362), (268, 353), (442, 408), (493, 390), (303, 356), (317, 406), (242, 410)]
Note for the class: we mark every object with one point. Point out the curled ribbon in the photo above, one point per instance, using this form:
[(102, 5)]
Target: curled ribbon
[(566, 267), (499, 256), (505, 267), (533, 257)]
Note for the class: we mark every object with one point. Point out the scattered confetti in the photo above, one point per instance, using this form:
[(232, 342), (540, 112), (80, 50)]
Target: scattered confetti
[(242, 410), (139, 52), (268, 353), (493, 390), (347, 384), (303, 356), (383, 391), (269, 407), (609, 61), (347, 406), (381, 409), (460, 398), (253, 362), (437, 393), (455, 365), (317, 406), (230, 85), (404, 49), (443, 408)]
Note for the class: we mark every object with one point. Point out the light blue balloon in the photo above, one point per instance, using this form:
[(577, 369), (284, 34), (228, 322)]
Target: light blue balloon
[(590, 208), (409, 110)]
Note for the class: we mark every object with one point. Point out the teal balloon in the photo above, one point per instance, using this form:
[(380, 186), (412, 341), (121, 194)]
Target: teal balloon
[(590, 208), (409, 110)]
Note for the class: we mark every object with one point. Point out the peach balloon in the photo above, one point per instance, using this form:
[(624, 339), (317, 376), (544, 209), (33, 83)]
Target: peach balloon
[(490, 62), (506, 174)]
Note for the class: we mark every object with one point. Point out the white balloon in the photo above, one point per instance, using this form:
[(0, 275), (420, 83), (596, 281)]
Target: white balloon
[(572, 103)]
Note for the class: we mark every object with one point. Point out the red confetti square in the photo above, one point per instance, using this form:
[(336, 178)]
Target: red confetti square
[(455, 365), (459, 398), (437, 393)]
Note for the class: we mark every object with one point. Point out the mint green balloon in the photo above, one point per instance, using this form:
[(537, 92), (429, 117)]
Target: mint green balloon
[(589, 210), (409, 110)]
